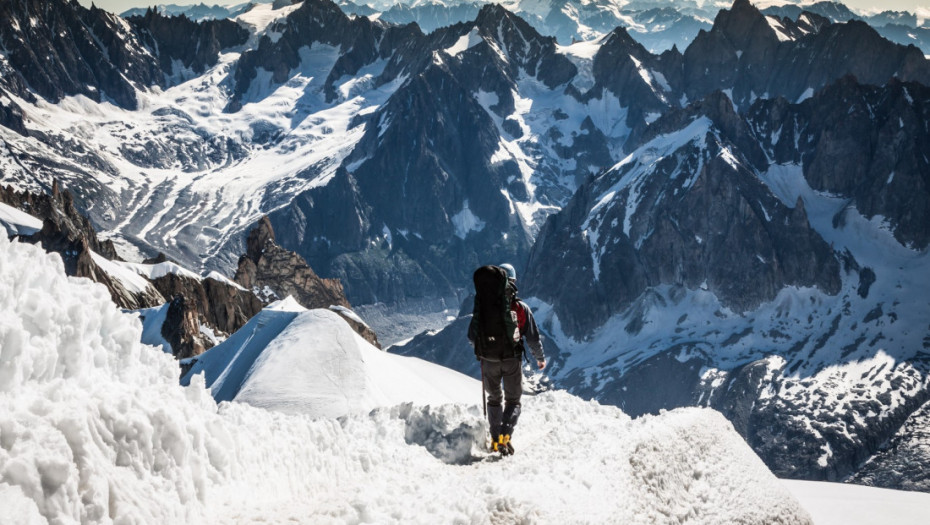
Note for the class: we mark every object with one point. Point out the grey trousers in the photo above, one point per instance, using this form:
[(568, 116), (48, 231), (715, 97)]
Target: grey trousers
[(502, 419)]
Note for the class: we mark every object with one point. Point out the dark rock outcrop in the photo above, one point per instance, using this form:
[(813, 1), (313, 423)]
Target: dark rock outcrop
[(273, 273), (59, 48), (619, 239), (11, 114), (865, 142), (70, 234), (195, 303), (195, 44)]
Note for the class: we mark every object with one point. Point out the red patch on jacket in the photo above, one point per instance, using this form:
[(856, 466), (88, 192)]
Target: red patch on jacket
[(521, 315)]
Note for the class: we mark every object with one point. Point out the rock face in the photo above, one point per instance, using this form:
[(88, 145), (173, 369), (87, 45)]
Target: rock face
[(195, 303), (901, 462), (195, 45), (758, 56), (273, 273), (635, 227), (863, 142), (66, 232), (59, 48)]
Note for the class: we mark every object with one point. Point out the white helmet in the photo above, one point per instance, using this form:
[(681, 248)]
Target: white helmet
[(511, 273)]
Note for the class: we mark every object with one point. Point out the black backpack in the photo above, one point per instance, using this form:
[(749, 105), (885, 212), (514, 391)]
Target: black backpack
[(497, 335)]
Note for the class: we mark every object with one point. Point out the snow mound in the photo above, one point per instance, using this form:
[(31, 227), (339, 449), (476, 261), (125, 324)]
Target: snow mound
[(449, 434), (95, 429), (311, 362)]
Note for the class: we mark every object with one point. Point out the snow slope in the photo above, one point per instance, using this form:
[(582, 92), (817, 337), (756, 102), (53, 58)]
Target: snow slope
[(836, 367), (94, 428), (842, 504), (181, 176), (17, 222), (272, 360)]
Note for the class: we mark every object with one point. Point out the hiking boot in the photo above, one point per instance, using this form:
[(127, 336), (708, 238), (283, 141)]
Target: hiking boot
[(504, 446), (496, 442)]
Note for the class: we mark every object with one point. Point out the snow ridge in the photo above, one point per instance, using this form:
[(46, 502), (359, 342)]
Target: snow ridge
[(95, 429)]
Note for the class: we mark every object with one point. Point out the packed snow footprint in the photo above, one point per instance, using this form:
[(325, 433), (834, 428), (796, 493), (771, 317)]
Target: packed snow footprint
[(95, 429)]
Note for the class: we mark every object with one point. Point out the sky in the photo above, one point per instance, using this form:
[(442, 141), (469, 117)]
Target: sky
[(118, 6)]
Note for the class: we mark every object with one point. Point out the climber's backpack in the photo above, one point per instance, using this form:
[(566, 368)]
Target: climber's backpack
[(497, 332)]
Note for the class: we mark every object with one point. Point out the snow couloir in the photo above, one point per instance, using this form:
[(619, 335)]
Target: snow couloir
[(95, 429)]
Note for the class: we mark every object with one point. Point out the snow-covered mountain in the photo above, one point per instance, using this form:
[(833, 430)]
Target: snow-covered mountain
[(301, 121), (196, 12), (738, 215), (898, 26), (750, 263), (96, 429), (659, 26)]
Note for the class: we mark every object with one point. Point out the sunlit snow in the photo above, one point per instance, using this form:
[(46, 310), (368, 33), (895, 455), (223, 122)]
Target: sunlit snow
[(96, 429), (17, 222)]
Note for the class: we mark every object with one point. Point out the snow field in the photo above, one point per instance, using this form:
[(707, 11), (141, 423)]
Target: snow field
[(576, 462), (845, 504), (95, 429)]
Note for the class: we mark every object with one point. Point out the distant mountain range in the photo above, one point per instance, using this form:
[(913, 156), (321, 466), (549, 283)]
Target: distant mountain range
[(740, 222), (196, 12), (657, 24)]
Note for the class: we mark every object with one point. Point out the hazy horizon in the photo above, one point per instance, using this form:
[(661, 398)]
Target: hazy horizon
[(119, 6)]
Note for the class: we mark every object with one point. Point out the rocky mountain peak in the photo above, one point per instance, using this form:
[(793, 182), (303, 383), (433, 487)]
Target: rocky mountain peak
[(490, 16), (259, 238), (59, 48), (742, 24), (196, 45), (523, 45), (620, 39), (274, 273)]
